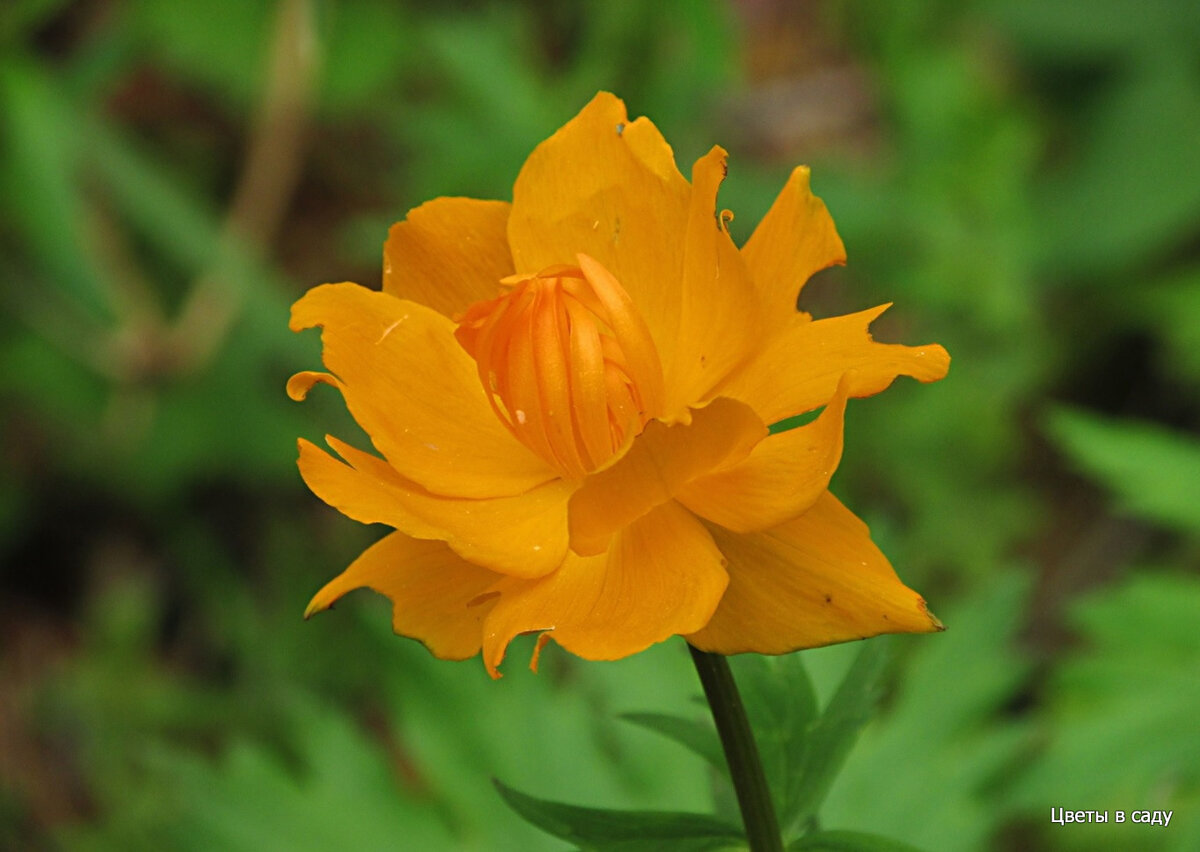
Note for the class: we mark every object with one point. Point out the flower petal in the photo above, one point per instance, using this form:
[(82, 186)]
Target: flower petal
[(435, 593), (416, 392), (661, 461), (521, 536), (718, 319), (780, 480), (448, 253), (798, 370), (795, 239), (813, 581), (661, 577), (301, 383), (608, 188)]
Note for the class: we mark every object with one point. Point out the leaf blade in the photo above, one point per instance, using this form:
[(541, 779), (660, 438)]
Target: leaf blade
[(848, 841), (1153, 471), (627, 831), (698, 737), (833, 734)]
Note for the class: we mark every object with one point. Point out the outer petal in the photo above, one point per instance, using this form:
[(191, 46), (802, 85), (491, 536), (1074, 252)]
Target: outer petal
[(448, 253), (523, 536), (780, 480), (794, 240), (813, 581), (718, 317), (435, 593), (415, 391), (662, 460), (608, 188), (799, 369), (662, 576)]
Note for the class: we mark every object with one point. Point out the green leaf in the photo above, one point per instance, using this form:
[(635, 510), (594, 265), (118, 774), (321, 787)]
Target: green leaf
[(1153, 472), (367, 45), (346, 796), (1082, 32), (1128, 698), (696, 736), (583, 752), (782, 707), (848, 841), (1121, 203), (220, 44), (1167, 311), (626, 831), (946, 730), (834, 733)]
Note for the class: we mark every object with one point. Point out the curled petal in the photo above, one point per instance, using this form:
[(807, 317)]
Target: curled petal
[(301, 383), (662, 576), (414, 390), (794, 240), (448, 253), (799, 369), (523, 536), (662, 460), (630, 332), (815, 580), (782, 477), (437, 596)]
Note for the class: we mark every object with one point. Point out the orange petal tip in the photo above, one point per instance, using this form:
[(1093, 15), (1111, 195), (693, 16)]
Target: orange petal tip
[(323, 599), (314, 606), (542, 639), (301, 383), (938, 626)]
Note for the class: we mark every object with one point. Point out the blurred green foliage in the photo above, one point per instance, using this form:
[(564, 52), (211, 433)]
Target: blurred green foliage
[(1020, 177)]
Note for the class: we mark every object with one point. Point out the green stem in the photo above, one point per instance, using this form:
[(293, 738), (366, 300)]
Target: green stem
[(741, 752)]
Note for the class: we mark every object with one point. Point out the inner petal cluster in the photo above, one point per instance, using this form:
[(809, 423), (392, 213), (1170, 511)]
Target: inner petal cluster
[(567, 363)]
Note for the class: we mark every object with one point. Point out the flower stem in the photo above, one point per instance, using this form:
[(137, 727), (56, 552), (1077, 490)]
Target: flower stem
[(741, 752)]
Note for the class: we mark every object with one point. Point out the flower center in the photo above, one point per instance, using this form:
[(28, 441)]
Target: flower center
[(567, 363)]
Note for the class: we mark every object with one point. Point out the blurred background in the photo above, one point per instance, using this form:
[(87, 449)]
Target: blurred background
[(1022, 178)]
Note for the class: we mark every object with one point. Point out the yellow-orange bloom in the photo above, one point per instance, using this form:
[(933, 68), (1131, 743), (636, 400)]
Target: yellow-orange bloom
[(570, 397)]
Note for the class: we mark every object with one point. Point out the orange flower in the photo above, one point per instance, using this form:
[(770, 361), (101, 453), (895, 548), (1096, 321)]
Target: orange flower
[(570, 398)]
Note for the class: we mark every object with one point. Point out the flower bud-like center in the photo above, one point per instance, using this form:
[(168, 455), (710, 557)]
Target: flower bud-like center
[(567, 363)]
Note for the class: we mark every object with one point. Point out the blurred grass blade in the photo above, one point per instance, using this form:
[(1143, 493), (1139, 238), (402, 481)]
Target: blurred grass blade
[(19, 18), (176, 221), (40, 138)]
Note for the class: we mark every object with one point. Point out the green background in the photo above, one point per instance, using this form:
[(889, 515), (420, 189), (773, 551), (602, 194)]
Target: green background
[(1021, 178)]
